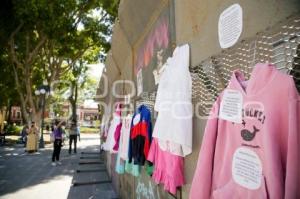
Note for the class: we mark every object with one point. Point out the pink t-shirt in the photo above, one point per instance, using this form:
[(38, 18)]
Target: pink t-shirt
[(168, 168), (258, 157)]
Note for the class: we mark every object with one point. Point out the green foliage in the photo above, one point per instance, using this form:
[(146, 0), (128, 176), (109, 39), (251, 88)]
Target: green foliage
[(51, 40), (89, 130), (88, 89), (14, 130), (8, 93)]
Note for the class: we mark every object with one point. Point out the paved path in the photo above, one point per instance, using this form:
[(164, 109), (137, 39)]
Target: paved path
[(31, 176)]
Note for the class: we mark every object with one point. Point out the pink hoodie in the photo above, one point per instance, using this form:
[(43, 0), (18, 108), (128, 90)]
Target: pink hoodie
[(259, 157)]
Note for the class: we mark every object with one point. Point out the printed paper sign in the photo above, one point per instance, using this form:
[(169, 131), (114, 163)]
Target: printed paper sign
[(230, 26), (231, 106), (247, 168), (139, 79)]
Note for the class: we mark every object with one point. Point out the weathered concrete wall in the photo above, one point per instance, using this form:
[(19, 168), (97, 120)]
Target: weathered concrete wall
[(196, 23)]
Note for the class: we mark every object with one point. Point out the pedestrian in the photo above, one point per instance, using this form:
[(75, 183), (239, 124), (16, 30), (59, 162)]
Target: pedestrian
[(24, 134), (3, 133), (48, 129), (2, 137), (73, 133), (57, 144), (32, 139)]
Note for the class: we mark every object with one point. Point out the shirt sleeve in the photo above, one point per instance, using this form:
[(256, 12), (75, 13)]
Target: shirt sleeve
[(202, 181), (292, 164), (130, 141), (148, 135)]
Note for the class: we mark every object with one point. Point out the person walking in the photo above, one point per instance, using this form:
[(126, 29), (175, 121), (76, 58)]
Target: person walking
[(73, 133), (57, 144), (3, 133), (24, 134)]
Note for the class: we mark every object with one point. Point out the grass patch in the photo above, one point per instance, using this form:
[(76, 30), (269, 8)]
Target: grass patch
[(88, 130)]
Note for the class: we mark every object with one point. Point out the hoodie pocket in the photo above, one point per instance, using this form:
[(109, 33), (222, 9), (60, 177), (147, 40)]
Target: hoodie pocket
[(229, 190), (233, 190)]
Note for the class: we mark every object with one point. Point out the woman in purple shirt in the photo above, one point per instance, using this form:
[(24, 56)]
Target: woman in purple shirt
[(58, 139)]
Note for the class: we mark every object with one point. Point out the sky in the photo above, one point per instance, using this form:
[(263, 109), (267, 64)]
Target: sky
[(95, 70)]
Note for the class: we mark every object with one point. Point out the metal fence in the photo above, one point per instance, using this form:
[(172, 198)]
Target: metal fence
[(279, 45)]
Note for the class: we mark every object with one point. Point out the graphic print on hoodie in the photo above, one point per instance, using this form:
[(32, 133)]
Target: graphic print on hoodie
[(253, 118), (259, 157)]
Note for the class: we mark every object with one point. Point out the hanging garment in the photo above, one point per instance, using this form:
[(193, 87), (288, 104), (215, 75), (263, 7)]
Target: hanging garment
[(112, 141), (104, 132), (117, 135), (140, 136), (123, 145), (104, 128), (125, 136), (168, 168), (132, 169), (173, 126), (117, 132), (251, 151), (105, 121), (120, 165)]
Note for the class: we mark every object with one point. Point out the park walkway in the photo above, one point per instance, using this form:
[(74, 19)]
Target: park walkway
[(31, 176)]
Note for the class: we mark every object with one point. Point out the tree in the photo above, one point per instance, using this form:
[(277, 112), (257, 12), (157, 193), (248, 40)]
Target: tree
[(77, 78), (42, 35), (9, 95)]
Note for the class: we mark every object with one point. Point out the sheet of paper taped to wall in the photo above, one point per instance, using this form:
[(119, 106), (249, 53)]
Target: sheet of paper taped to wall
[(231, 106)]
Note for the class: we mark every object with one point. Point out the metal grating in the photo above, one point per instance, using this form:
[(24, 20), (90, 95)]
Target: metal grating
[(147, 99), (279, 45)]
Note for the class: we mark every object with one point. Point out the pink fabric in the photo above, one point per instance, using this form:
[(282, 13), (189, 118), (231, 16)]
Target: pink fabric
[(277, 143), (168, 168), (113, 135), (118, 108), (117, 132), (117, 137)]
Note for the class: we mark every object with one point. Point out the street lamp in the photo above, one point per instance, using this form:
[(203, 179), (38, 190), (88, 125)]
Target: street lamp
[(42, 91)]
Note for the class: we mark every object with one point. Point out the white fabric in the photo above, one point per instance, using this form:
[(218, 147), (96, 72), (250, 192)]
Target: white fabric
[(124, 138), (173, 126), (106, 120), (110, 140)]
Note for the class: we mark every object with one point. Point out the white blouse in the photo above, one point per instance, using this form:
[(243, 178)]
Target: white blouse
[(110, 140), (173, 126)]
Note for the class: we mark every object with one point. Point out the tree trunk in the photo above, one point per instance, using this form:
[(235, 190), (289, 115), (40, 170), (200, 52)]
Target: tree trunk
[(36, 117), (74, 115), (73, 99), (25, 117), (8, 119), (25, 66)]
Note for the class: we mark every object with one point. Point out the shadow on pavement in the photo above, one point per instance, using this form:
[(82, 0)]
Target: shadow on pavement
[(21, 171)]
